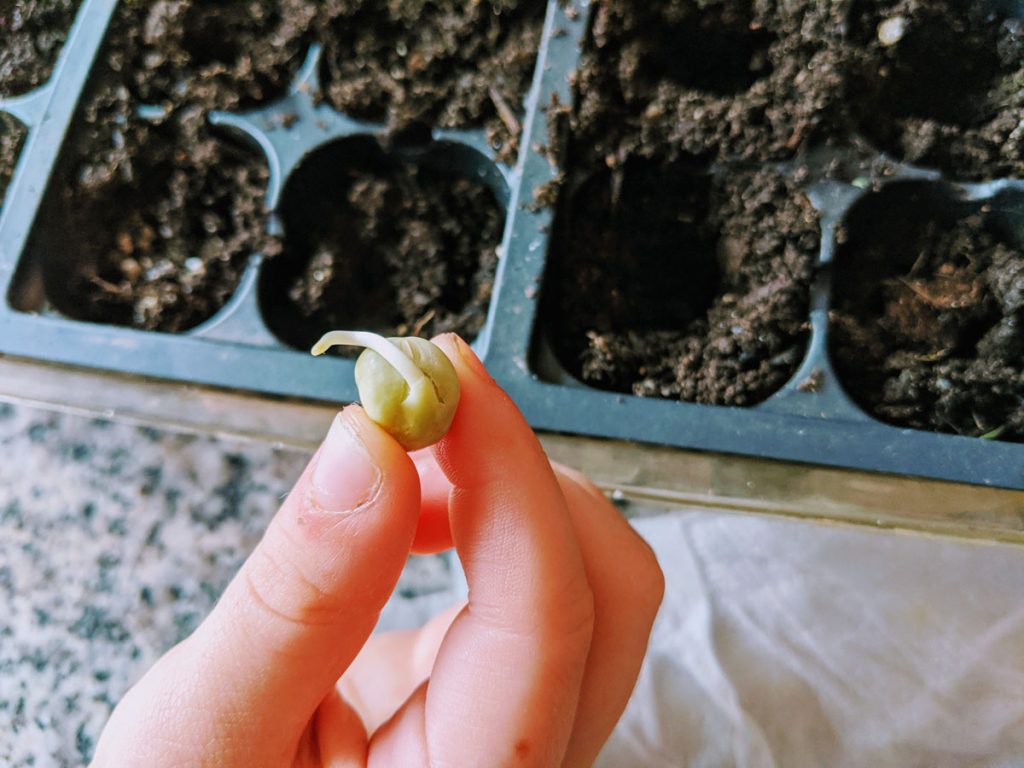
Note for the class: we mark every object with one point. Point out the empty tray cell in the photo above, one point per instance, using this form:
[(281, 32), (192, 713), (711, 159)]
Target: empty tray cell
[(32, 33), (12, 135), (716, 79), (449, 64), (225, 55), (941, 83), (928, 318), (672, 284), (395, 243)]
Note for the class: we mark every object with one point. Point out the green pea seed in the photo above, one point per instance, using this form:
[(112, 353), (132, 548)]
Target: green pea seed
[(407, 385)]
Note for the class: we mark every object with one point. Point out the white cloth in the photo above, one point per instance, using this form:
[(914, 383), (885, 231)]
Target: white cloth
[(789, 644), (792, 644)]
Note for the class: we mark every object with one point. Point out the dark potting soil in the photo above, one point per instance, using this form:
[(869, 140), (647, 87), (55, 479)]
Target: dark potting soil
[(12, 134), (166, 211), (31, 35), (229, 55), (708, 79), (940, 84), (730, 80), (446, 63), (928, 325), (693, 287), (164, 231), (639, 298), (666, 280), (396, 248)]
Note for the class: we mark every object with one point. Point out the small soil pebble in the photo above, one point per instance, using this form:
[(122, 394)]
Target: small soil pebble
[(12, 134), (928, 319), (673, 284), (940, 84), (373, 242), (32, 33), (445, 63)]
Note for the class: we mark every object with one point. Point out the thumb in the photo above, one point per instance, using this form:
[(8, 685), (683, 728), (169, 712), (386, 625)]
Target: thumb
[(300, 608)]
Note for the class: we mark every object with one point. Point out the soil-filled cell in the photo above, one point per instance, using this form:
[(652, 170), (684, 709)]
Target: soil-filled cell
[(715, 79), (152, 215), (672, 284), (12, 136), (928, 317), (941, 83), (159, 239), (394, 244), (450, 64), (32, 33)]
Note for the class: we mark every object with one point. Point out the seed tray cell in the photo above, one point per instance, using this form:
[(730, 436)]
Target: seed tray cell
[(310, 154)]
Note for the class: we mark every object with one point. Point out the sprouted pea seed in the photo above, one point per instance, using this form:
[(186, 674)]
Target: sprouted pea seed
[(407, 385)]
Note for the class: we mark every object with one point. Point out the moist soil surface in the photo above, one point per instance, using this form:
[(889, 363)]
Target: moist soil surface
[(695, 287), (162, 234), (394, 247), (31, 35), (447, 63), (660, 287), (716, 80), (12, 134), (167, 212), (668, 279), (928, 324), (940, 84)]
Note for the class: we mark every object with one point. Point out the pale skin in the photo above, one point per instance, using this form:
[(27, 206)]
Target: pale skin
[(535, 670)]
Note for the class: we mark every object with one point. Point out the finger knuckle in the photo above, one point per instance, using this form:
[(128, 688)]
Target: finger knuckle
[(280, 588), (575, 615), (646, 579)]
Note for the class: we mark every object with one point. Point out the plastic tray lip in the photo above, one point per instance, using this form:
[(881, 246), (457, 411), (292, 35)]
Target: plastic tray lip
[(822, 428), (853, 444)]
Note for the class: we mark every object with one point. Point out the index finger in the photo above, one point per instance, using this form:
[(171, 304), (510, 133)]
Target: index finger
[(509, 521), (507, 678)]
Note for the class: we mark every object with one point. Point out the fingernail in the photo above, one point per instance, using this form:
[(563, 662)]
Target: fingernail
[(345, 476), (470, 359)]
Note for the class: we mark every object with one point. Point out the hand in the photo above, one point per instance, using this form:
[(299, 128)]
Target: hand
[(534, 671)]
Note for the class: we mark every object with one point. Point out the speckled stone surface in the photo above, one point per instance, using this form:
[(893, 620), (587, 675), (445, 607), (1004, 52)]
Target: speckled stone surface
[(115, 541)]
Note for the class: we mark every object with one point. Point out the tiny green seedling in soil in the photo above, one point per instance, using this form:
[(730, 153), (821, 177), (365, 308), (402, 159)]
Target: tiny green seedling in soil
[(407, 385)]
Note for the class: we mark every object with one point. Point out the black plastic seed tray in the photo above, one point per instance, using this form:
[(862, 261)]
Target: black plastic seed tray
[(237, 349)]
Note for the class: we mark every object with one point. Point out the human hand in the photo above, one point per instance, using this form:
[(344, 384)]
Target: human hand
[(534, 671)]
